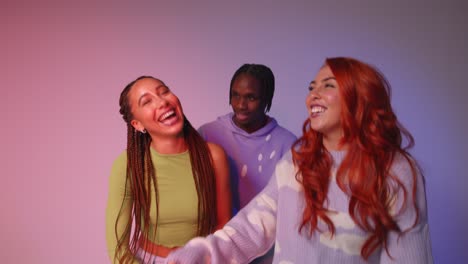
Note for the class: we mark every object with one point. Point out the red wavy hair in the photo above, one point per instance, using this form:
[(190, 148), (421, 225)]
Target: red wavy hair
[(373, 137)]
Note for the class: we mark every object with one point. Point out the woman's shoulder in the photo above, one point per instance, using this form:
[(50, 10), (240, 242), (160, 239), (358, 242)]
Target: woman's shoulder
[(405, 167), (217, 152), (285, 172), (119, 166), (121, 158)]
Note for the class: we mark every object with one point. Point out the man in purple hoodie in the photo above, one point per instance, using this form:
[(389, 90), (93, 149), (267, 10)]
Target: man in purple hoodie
[(253, 141)]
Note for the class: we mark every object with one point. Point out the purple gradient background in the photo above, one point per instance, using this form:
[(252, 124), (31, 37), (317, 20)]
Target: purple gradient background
[(63, 66)]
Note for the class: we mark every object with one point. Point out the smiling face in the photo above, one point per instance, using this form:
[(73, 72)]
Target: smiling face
[(324, 107), (155, 109), (248, 103)]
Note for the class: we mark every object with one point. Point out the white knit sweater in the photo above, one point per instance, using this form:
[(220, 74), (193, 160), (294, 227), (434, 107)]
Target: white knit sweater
[(274, 215)]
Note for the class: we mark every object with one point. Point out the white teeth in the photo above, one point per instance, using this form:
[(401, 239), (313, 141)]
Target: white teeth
[(317, 109), (167, 114)]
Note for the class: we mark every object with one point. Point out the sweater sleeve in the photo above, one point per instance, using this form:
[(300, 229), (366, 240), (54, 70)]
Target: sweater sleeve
[(249, 234), (119, 201), (414, 244)]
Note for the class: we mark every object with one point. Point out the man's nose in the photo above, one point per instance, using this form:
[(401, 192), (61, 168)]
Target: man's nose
[(242, 102)]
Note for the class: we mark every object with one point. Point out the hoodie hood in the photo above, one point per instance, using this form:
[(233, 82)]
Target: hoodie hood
[(228, 122)]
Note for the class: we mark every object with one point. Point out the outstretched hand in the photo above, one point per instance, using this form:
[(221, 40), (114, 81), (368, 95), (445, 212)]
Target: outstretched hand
[(195, 252)]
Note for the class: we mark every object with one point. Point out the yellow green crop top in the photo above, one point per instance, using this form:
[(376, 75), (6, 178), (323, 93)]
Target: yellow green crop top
[(178, 200)]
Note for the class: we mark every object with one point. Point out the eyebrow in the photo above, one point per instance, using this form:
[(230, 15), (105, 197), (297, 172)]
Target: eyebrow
[(324, 80), (157, 88)]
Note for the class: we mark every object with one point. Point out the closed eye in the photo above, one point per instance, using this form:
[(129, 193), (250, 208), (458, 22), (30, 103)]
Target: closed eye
[(162, 90), (145, 101)]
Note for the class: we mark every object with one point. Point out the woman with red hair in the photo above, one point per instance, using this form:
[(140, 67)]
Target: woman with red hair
[(348, 192)]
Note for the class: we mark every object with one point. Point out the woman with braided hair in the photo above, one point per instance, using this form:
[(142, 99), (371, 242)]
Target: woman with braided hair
[(169, 185), (348, 192)]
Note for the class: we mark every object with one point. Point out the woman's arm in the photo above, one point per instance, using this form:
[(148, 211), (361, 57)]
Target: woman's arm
[(414, 244), (223, 190), (118, 197)]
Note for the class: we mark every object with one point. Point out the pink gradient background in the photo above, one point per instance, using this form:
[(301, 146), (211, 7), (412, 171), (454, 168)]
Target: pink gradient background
[(63, 66)]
